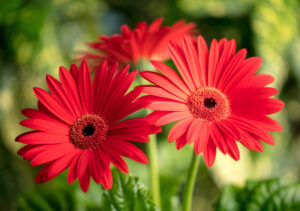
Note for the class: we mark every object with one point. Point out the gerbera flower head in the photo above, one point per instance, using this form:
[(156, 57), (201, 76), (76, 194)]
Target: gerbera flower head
[(217, 98), (143, 42), (79, 125)]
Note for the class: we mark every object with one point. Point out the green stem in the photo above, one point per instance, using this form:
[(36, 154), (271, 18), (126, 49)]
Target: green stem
[(154, 170), (190, 183), (151, 146)]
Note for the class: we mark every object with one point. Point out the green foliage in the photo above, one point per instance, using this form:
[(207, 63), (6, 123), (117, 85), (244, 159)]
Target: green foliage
[(170, 192), (274, 194), (12, 176), (216, 8), (275, 30), (38, 36), (127, 194), (47, 199), (57, 195)]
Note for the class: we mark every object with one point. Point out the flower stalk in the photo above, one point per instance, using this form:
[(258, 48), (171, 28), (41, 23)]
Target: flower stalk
[(190, 183), (154, 169), (152, 145)]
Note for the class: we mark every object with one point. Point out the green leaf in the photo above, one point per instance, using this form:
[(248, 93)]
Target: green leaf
[(275, 29), (274, 194), (229, 199), (170, 192), (57, 195), (216, 8), (90, 200), (47, 199), (127, 194)]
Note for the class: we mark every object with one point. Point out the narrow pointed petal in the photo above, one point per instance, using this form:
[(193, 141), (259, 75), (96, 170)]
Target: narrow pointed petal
[(84, 181), (51, 104), (85, 126), (85, 87), (46, 126), (179, 129), (194, 131), (217, 98), (210, 153)]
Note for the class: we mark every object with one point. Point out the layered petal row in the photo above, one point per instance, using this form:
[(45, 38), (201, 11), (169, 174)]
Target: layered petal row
[(143, 42), (80, 125), (216, 98)]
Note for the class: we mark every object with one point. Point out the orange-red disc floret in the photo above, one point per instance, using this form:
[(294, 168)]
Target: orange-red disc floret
[(88, 131), (209, 104)]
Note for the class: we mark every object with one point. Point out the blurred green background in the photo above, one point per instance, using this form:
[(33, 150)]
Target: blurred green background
[(38, 36)]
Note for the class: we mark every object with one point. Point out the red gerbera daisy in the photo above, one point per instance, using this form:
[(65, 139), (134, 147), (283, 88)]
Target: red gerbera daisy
[(148, 42), (79, 125), (217, 99)]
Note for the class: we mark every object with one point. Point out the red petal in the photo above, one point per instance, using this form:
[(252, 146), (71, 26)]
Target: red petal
[(55, 168), (163, 82), (181, 142), (54, 152), (119, 162), (209, 153), (96, 165), (72, 169), (203, 57), (233, 150), (127, 149), (194, 131), (159, 92), (204, 136), (82, 163), (231, 69), (167, 106), (84, 87), (172, 76), (179, 129), (217, 136), (213, 60), (58, 92), (179, 60), (47, 126), (155, 25), (84, 181), (172, 117), (72, 89), (42, 138), (189, 47), (107, 179), (50, 103)]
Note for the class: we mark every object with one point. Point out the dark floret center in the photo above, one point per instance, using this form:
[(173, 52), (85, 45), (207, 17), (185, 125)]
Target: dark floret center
[(88, 130), (209, 102)]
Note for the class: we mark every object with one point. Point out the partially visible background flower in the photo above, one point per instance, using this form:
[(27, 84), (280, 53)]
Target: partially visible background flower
[(217, 99), (143, 42), (79, 125)]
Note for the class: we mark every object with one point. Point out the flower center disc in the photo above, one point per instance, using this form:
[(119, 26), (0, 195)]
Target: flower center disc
[(209, 104), (88, 131)]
